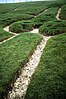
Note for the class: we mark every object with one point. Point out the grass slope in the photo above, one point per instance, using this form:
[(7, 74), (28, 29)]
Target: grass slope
[(46, 16), (49, 79), (13, 55), (53, 27), (21, 26), (4, 35)]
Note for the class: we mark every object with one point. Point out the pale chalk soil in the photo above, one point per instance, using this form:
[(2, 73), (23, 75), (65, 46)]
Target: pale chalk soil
[(7, 30), (41, 13), (21, 84), (35, 31), (57, 16)]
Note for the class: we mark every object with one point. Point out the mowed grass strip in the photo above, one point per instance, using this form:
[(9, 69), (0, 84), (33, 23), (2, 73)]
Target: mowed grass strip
[(49, 79), (4, 35), (13, 55)]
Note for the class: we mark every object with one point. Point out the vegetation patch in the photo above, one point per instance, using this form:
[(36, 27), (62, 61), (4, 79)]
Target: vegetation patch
[(5, 8), (13, 55), (4, 35), (9, 18), (53, 27), (46, 16), (32, 8), (49, 79), (63, 12), (21, 26)]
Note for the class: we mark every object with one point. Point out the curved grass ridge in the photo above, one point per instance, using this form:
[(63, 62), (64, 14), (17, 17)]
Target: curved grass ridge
[(53, 27), (21, 26), (49, 79), (13, 55)]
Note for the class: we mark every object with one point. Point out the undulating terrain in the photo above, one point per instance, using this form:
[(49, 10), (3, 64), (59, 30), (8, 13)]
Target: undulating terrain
[(33, 36)]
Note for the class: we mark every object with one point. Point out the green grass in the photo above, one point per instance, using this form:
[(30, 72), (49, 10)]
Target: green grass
[(4, 35), (30, 9), (9, 18), (46, 16), (63, 13), (21, 26), (13, 55), (4, 8), (49, 79), (53, 27)]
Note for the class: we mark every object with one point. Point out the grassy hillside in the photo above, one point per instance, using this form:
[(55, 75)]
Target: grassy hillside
[(48, 82)]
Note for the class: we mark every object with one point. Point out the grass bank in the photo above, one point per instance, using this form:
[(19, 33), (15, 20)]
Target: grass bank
[(53, 27), (4, 35)]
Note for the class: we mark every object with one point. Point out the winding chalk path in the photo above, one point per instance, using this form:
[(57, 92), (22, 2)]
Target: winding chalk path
[(7, 30), (15, 34), (35, 30), (21, 84), (58, 14), (41, 13)]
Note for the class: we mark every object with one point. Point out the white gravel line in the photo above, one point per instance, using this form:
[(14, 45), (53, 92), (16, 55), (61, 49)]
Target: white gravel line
[(7, 39), (21, 84), (35, 30), (41, 13), (58, 14), (7, 30)]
